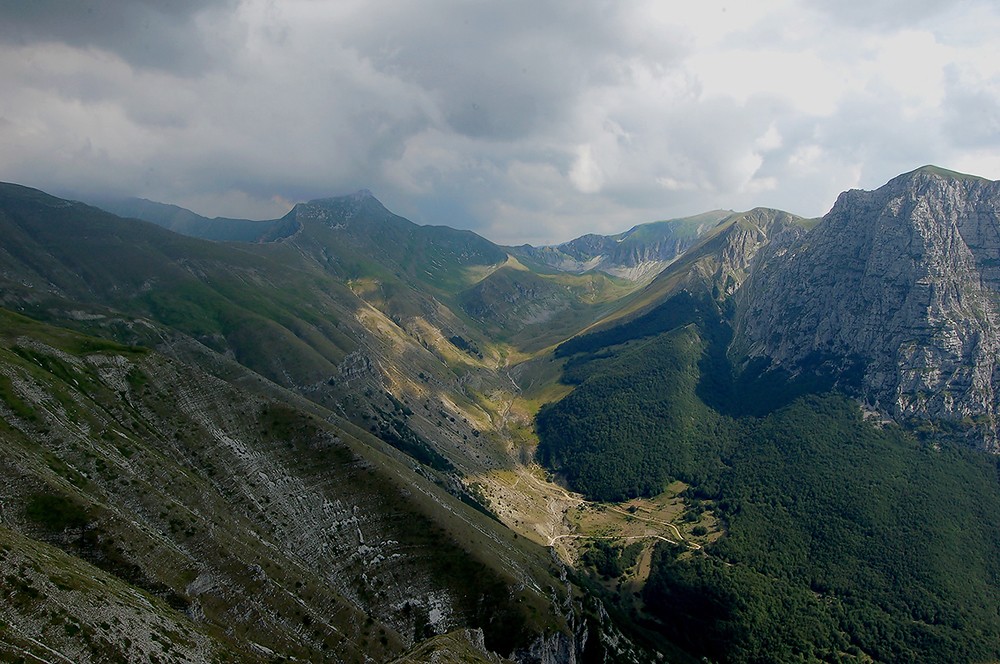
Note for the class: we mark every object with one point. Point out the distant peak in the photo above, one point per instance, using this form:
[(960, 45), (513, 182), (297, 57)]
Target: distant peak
[(358, 207), (358, 197), (944, 173)]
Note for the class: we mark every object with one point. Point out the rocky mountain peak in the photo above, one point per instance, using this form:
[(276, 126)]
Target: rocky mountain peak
[(724, 262), (361, 204), (902, 283)]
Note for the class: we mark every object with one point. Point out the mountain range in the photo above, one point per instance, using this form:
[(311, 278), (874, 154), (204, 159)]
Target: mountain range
[(341, 436)]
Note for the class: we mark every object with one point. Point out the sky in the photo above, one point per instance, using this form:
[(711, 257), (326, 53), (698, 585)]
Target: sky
[(526, 121)]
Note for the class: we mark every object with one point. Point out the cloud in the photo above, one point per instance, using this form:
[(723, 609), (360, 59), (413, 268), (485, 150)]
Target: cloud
[(972, 108), (524, 120), (502, 70), (883, 14), (171, 35)]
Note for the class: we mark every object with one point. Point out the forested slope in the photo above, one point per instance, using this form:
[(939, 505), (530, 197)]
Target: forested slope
[(844, 538)]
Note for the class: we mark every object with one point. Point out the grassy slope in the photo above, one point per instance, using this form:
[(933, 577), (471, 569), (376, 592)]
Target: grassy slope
[(373, 348), (276, 309), (532, 311), (687, 228), (402, 269), (225, 297), (126, 461)]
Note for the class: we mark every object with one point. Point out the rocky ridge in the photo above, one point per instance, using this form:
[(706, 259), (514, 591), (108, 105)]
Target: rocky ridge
[(638, 254), (899, 287), (162, 523), (725, 262)]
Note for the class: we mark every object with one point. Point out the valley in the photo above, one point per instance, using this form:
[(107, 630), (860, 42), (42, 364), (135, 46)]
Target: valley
[(341, 436)]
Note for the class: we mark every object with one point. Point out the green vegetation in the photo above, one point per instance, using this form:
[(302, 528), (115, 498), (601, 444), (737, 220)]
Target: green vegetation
[(625, 431), (844, 540), (9, 397), (13, 325), (55, 512), (610, 560), (862, 540), (679, 310), (531, 310)]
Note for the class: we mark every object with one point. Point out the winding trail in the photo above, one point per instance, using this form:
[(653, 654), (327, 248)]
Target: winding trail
[(555, 538), (691, 545)]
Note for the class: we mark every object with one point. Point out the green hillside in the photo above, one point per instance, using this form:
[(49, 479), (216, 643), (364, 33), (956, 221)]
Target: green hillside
[(244, 444), (139, 499), (843, 539)]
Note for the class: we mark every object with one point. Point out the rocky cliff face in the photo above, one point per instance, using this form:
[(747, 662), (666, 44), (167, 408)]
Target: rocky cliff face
[(901, 283), (725, 262)]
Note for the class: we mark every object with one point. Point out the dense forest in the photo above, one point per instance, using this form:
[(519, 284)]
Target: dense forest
[(844, 539)]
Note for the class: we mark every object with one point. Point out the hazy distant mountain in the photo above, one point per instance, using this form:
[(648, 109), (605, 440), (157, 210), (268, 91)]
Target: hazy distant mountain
[(356, 236), (637, 254), (188, 223)]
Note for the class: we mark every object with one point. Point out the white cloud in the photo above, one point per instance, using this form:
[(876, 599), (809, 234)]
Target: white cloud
[(586, 174)]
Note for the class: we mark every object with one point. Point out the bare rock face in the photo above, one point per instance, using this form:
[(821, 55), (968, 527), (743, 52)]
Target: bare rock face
[(902, 282), (726, 260)]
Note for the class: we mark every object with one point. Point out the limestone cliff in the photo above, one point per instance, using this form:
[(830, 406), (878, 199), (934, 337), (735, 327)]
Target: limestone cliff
[(725, 261), (900, 283)]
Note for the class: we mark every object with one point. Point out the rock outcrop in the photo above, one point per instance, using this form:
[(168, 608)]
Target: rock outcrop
[(900, 283), (725, 261)]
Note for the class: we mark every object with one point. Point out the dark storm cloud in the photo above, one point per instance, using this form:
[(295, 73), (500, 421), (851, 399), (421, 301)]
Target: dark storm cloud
[(506, 69), (161, 34)]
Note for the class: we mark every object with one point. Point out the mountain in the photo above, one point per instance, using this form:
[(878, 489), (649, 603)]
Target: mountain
[(325, 446), (897, 290), (225, 451), (545, 298), (737, 375), (361, 225), (717, 264), (694, 295), (156, 511), (637, 254), (188, 223)]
